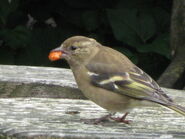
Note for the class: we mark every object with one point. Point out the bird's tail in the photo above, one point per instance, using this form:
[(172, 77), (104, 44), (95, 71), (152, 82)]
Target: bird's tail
[(177, 108)]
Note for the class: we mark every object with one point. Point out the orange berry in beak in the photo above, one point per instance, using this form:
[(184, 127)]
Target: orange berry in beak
[(55, 55)]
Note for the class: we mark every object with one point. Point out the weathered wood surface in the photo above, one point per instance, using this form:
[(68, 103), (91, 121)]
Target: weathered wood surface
[(63, 118), (29, 81)]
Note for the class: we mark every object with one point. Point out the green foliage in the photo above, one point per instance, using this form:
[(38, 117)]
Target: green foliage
[(6, 8), (130, 26), (15, 38), (160, 45), (137, 28)]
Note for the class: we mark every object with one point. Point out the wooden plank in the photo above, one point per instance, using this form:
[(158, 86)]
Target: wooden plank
[(29, 81), (64, 118), (31, 74)]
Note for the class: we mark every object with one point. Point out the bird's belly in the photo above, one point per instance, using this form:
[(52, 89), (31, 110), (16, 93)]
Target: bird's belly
[(109, 100)]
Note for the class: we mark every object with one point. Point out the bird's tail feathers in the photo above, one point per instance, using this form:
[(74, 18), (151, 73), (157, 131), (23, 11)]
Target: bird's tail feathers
[(177, 108)]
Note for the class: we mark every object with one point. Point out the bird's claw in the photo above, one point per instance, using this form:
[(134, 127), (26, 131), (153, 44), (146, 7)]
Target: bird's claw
[(98, 120), (122, 119)]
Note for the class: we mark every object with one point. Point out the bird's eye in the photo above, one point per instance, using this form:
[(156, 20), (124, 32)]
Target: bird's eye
[(73, 48)]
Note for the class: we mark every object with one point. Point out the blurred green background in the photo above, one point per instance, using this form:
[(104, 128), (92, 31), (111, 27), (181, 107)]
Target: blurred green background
[(29, 29)]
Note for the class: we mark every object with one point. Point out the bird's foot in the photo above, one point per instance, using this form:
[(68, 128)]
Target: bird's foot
[(98, 120), (122, 119)]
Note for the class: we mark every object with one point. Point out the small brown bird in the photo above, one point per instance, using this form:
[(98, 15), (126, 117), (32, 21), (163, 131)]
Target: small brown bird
[(109, 78)]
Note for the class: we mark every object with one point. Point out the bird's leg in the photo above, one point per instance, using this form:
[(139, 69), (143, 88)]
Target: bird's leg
[(99, 120), (122, 119), (104, 118)]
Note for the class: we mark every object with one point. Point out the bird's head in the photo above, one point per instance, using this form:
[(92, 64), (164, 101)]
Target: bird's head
[(75, 49)]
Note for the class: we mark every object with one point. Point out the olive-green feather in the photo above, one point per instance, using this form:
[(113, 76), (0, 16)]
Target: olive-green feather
[(177, 108)]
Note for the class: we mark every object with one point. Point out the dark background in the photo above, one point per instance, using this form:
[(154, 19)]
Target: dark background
[(137, 28)]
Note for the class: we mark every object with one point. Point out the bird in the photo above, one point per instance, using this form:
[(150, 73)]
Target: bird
[(109, 79)]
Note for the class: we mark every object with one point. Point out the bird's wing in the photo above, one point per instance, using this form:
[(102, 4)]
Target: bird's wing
[(133, 83)]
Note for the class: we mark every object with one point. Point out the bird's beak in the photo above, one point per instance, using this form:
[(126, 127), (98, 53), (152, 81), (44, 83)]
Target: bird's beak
[(56, 54)]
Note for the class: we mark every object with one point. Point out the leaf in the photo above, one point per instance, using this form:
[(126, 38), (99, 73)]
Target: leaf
[(123, 23), (147, 27), (16, 38), (131, 25), (7, 8), (160, 45), (162, 18)]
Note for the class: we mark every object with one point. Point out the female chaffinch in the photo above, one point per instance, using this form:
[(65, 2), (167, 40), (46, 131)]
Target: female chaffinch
[(109, 78)]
